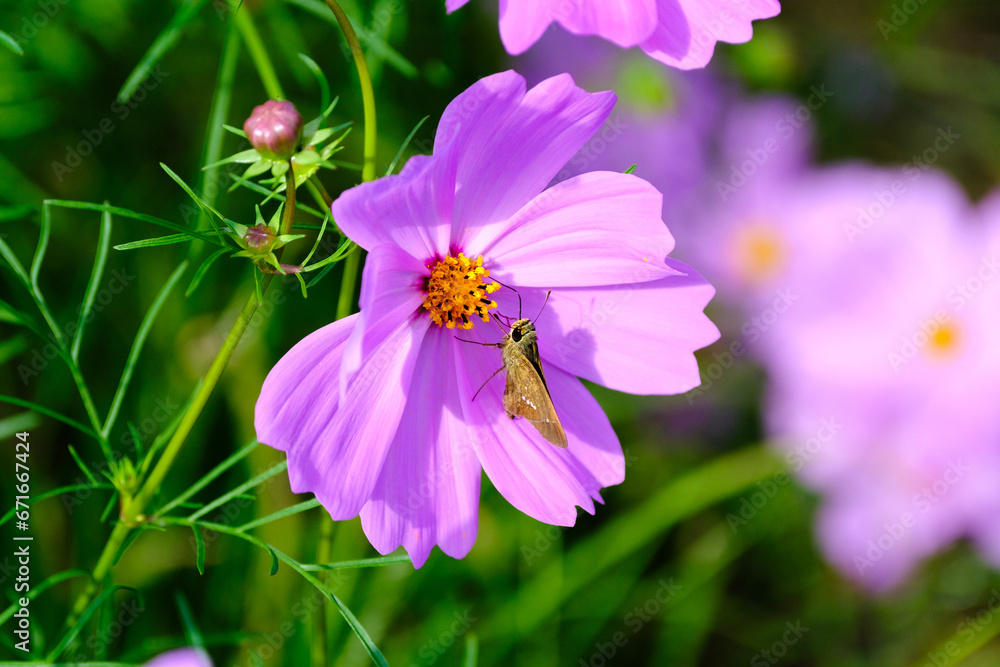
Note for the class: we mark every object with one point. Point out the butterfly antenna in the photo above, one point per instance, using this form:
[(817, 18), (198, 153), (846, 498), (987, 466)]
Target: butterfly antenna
[(547, 295), (515, 292), (496, 318), (484, 384)]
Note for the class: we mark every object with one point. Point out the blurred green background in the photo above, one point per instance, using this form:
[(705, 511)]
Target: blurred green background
[(657, 577)]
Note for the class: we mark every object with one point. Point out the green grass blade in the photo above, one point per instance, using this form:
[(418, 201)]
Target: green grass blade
[(140, 340), (81, 622), (126, 213), (14, 263), (687, 495), (42, 410), (42, 247), (158, 241), (191, 631), (225, 498), (280, 514), (378, 561), (324, 85), (11, 43), (163, 43), (200, 549), (203, 269), (41, 587), (230, 461), (406, 142), (207, 208), (56, 492), (369, 40), (103, 241)]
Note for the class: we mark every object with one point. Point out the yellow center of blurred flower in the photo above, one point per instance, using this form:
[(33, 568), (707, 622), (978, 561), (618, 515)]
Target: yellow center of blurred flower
[(457, 293), (760, 253), (945, 340)]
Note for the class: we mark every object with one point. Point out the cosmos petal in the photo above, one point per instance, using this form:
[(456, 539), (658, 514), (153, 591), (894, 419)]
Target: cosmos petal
[(428, 491), (599, 228), (624, 22)]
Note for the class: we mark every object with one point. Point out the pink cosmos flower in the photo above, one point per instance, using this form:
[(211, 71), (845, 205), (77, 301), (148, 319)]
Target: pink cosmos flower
[(680, 33), (182, 657), (376, 411), (882, 372)]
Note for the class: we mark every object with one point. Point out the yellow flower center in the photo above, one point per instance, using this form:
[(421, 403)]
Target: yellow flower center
[(456, 292), (760, 252), (945, 340)]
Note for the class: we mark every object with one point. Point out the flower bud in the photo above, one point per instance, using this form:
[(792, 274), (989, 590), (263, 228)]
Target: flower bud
[(259, 238), (274, 129)]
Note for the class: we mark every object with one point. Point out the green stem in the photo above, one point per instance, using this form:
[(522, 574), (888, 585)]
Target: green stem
[(348, 282), (262, 61), (132, 511), (367, 92)]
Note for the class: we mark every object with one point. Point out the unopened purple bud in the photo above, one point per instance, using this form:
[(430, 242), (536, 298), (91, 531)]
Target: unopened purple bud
[(259, 237), (274, 129)]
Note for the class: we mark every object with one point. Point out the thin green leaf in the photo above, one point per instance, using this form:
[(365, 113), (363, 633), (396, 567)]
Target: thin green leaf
[(225, 498), (406, 142), (202, 204), (103, 241), (109, 506), (631, 170), (42, 247), (212, 474), (163, 43), (15, 212), (140, 340), (41, 587), (379, 561), (260, 189), (200, 549), (203, 269), (11, 43), (10, 315), (281, 514), (126, 543), (158, 241), (136, 440), (14, 263), (235, 130), (191, 631), (81, 622), (83, 467), (373, 42), (248, 156), (324, 85), (346, 245), (19, 423), (56, 492), (274, 562), (41, 409), (126, 213), (471, 650), (319, 237)]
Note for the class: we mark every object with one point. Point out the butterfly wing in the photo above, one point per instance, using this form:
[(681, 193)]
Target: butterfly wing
[(526, 395)]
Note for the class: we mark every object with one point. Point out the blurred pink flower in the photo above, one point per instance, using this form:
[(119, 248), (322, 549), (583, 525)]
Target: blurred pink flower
[(882, 371), (375, 411), (182, 657), (680, 33)]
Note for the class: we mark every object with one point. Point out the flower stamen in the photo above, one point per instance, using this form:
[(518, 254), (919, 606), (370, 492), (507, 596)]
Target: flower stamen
[(456, 292)]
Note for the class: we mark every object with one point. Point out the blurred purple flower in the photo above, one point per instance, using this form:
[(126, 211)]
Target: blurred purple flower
[(182, 657), (680, 33), (375, 411), (883, 370)]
